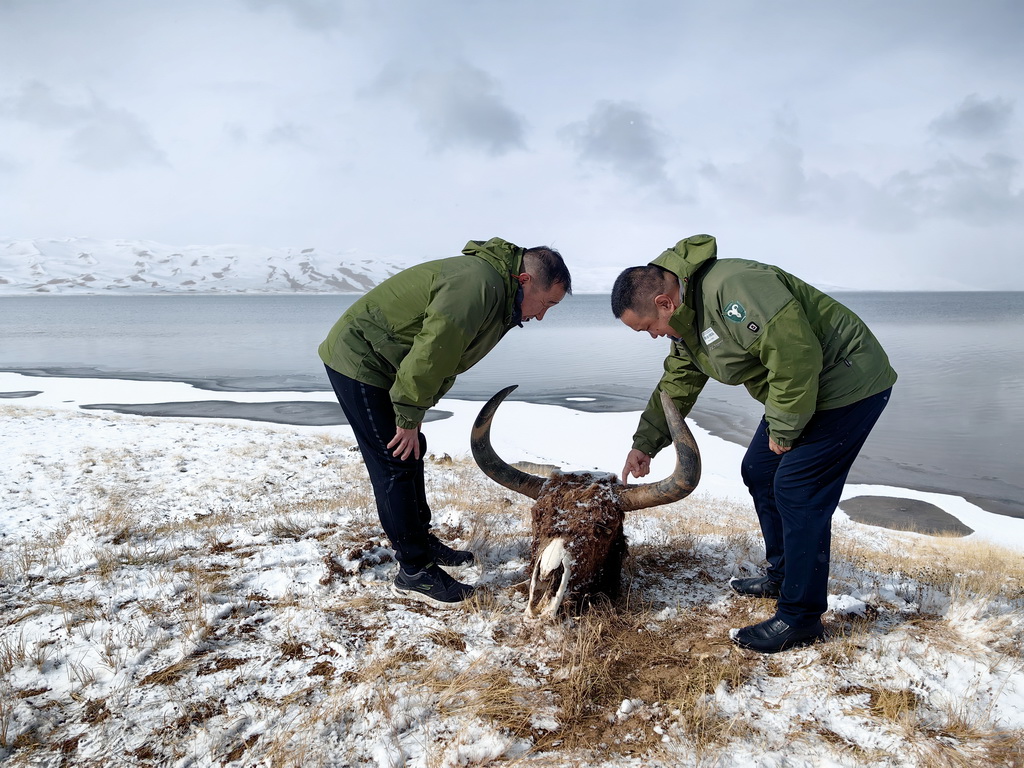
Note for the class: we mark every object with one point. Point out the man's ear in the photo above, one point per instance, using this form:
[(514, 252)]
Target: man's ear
[(524, 278), (664, 302)]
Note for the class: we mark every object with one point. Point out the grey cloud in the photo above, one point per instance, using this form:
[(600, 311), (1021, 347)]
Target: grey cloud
[(237, 133), (102, 137), (115, 139), (776, 181), (976, 193), (621, 136), (37, 104), (974, 118), (457, 105), (773, 180), (289, 133), (310, 14)]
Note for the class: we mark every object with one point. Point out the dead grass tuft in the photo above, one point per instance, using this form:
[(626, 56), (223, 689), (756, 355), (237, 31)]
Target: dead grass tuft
[(399, 665), (490, 693), (962, 571), (447, 637), (897, 706), (170, 674), (240, 749), (293, 649), (1005, 748), (614, 655)]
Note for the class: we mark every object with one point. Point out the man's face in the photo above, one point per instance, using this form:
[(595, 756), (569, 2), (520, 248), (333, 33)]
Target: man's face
[(656, 324), (536, 302)]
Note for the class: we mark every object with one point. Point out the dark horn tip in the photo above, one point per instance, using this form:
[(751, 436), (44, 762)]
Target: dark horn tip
[(487, 412), (489, 462)]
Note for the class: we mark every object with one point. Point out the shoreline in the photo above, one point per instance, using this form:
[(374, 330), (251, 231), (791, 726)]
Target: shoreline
[(316, 407)]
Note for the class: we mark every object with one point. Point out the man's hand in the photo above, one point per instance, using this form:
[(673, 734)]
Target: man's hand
[(406, 442), (776, 448), (638, 464)]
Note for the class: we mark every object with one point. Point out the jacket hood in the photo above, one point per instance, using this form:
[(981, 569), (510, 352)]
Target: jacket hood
[(685, 260), (507, 260), (504, 256), (688, 256)]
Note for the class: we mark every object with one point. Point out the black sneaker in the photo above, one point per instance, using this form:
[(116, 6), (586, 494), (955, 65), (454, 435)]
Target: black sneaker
[(432, 585), (760, 586), (445, 555)]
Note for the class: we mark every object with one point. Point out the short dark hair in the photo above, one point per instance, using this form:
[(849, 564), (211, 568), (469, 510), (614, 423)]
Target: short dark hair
[(547, 267), (635, 289)]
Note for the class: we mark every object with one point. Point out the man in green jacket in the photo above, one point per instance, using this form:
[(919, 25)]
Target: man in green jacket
[(397, 350), (823, 379)]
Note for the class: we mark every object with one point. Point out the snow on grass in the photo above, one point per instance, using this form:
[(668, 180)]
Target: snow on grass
[(214, 593)]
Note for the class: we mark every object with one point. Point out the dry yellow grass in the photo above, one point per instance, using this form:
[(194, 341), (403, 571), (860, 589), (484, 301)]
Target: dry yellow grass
[(961, 569), (339, 653)]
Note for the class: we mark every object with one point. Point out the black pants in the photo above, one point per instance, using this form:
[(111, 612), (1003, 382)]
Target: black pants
[(397, 484), (795, 495)]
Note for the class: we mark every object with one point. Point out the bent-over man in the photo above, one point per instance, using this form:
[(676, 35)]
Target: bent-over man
[(397, 350), (823, 379)]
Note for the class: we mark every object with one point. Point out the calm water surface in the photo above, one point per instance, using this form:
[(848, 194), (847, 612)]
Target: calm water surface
[(952, 425)]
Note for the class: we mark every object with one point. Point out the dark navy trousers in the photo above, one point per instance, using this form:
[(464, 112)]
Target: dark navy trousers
[(795, 495), (398, 485)]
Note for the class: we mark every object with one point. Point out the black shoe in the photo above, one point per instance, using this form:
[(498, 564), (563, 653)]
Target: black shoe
[(776, 635), (432, 585), (445, 555), (761, 586)]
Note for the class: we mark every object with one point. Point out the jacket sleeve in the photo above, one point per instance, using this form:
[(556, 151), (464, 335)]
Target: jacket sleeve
[(683, 382), (791, 352), (452, 319)]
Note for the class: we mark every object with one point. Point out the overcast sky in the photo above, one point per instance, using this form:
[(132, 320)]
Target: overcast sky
[(859, 144)]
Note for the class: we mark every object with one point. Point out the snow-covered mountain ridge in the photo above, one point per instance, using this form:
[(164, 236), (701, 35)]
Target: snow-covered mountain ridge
[(86, 265)]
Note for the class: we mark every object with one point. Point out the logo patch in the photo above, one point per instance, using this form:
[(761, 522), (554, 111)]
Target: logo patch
[(709, 336), (736, 312), (753, 326)]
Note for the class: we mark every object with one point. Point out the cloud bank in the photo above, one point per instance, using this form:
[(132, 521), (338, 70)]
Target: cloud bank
[(813, 135)]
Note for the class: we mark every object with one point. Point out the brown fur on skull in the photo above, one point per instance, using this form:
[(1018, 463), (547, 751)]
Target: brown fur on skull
[(578, 541), (577, 519)]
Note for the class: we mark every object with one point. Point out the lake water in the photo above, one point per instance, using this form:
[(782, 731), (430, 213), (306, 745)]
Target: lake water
[(952, 426)]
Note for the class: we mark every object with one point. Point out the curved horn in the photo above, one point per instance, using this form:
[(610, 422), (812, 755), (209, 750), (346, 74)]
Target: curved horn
[(491, 464), (682, 481)]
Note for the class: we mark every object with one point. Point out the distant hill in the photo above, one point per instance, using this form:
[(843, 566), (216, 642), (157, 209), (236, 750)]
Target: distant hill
[(86, 265)]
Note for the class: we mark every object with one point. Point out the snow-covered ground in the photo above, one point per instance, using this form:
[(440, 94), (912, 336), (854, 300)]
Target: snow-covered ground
[(187, 591)]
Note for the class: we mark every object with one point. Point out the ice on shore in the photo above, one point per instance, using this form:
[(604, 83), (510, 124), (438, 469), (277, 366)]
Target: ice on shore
[(543, 434)]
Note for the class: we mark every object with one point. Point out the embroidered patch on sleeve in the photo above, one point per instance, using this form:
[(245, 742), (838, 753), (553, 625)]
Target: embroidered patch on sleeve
[(735, 312)]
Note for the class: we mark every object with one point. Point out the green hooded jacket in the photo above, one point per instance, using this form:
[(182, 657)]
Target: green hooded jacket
[(794, 348), (417, 330)]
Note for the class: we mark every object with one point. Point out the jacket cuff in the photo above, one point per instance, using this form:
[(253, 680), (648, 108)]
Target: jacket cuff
[(647, 447), (782, 442), (408, 417)]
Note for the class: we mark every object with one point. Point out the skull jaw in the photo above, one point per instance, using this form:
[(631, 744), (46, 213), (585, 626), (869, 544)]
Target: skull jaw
[(547, 590)]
